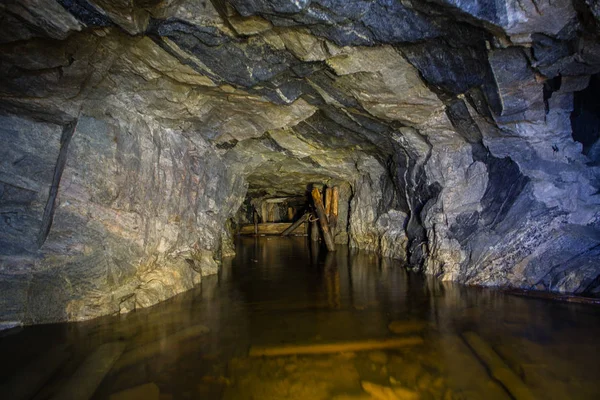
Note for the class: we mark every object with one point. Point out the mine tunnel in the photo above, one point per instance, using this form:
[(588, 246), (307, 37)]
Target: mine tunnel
[(299, 199)]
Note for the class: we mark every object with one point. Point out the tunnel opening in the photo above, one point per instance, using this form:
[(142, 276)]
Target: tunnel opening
[(316, 210), (585, 118)]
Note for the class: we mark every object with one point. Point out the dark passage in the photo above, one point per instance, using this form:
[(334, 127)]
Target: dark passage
[(585, 118), (279, 292)]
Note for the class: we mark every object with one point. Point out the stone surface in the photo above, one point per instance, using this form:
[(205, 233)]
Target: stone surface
[(132, 132)]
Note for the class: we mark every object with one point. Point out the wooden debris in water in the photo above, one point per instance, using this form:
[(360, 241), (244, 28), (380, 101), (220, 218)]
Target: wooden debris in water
[(31, 378), (401, 327), (539, 294), (151, 349), (84, 382), (147, 391), (497, 367), (336, 347), (387, 393)]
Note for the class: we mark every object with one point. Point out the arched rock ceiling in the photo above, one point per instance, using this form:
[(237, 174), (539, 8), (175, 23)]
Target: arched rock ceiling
[(289, 91)]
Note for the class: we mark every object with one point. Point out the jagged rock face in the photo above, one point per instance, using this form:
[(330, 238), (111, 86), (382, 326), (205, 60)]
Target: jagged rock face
[(132, 131)]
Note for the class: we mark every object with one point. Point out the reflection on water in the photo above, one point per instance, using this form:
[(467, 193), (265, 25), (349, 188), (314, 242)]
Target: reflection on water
[(280, 292)]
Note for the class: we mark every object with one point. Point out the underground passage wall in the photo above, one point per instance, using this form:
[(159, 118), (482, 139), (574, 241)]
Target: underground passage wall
[(464, 135)]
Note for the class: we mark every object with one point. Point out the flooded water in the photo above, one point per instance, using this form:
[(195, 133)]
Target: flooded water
[(440, 341)]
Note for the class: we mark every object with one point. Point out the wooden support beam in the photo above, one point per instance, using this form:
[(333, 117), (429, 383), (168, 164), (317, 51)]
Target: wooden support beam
[(328, 192), (336, 347), (255, 215), (335, 200), (316, 195), (314, 230), (497, 367), (295, 225)]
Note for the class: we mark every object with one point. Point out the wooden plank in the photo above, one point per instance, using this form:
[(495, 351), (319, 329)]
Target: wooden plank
[(28, 381), (497, 367), (402, 327), (336, 347), (539, 294), (271, 228), (295, 225), (84, 382), (318, 202), (147, 391)]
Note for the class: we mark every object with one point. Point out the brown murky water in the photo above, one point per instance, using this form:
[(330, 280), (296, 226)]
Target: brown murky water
[(278, 292)]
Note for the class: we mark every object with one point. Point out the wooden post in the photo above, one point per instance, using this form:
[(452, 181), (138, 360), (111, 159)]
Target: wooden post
[(333, 218), (255, 215), (290, 214), (314, 231), (328, 203), (264, 212), (295, 225), (316, 195)]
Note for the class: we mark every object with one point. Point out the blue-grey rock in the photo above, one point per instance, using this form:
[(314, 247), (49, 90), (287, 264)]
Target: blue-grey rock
[(457, 132)]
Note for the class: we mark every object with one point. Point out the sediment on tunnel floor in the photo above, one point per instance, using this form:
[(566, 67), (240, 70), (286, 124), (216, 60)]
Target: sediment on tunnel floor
[(454, 130)]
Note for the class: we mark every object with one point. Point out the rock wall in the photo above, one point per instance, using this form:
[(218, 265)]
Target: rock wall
[(137, 216)]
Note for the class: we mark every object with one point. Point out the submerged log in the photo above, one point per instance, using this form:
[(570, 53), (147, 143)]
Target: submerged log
[(497, 367), (147, 391), (379, 392), (402, 327), (30, 379), (316, 195), (84, 382), (141, 353), (538, 294), (295, 225), (336, 347), (333, 218)]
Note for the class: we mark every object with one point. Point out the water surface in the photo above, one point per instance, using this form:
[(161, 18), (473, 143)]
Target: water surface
[(283, 291)]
